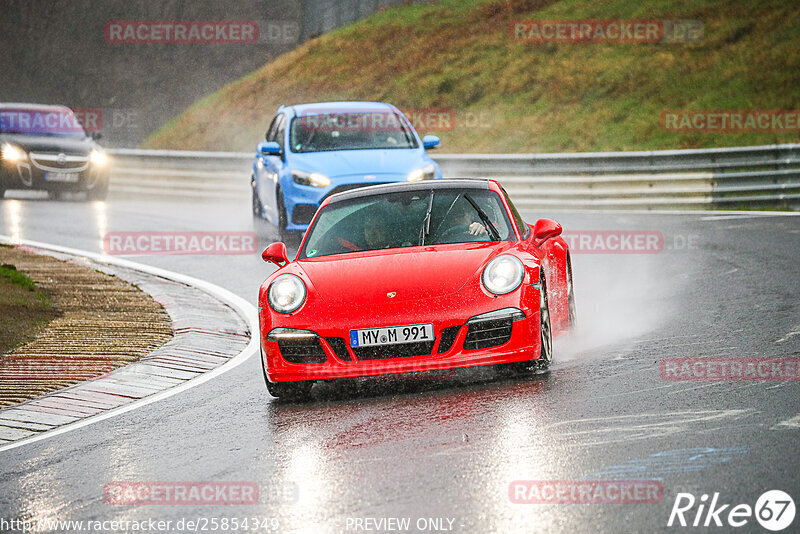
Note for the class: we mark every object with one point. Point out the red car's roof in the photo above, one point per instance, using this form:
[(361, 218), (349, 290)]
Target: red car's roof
[(423, 185)]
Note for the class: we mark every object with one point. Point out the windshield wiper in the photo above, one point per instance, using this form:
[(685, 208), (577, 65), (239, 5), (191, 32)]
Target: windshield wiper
[(426, 222), (484, 218)]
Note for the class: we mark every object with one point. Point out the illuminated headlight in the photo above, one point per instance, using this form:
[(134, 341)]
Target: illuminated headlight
[(313, 179), (425, 173), (13, 154), (503, 274), (98, 158), (286, 293)]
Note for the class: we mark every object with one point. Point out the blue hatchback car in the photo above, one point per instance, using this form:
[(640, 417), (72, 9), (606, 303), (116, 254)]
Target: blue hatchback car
[(312, 151)]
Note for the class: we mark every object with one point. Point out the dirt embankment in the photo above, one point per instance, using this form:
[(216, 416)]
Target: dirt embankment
[(101, 323)]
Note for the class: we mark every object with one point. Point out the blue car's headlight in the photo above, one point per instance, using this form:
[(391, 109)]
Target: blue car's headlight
[(313, 179), (425, 173)]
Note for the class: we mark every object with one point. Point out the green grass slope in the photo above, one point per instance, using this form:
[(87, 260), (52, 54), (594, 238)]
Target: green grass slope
[(510, 96)]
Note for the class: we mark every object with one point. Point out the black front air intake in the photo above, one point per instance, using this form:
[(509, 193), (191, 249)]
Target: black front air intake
[(485, 334), (448, 338), (303, 213), (304, 350), (339, 348)]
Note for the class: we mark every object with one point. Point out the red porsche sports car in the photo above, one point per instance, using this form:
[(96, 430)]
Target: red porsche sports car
[(410, 277)]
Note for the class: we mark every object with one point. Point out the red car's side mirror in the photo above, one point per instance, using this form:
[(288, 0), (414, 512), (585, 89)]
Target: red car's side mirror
[(544, 229), (276, 253)]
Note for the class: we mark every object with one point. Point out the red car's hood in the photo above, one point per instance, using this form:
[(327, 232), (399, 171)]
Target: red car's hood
[(413, 274)]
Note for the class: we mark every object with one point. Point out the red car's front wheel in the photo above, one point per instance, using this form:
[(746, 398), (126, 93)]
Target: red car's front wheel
[(291, 391), (546, 332)]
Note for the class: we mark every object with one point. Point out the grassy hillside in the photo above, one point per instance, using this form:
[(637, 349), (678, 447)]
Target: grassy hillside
[(510, 96)]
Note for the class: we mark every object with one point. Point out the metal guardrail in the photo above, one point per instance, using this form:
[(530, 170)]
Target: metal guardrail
[(761, 176)]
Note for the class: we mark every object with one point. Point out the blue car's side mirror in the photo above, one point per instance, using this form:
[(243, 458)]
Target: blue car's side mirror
[(269, 148), (430, 141)]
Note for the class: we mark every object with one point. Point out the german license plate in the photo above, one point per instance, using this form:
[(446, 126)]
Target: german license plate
[(61, 176), (391, 335)]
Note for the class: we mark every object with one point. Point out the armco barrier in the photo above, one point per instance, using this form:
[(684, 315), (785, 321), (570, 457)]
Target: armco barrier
[(744, 177)]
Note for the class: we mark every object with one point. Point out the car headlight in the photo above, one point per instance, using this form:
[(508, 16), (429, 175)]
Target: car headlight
[(503, 274), (313, 179), (286, 293), (98, 158), (13, 153), (425, 173)]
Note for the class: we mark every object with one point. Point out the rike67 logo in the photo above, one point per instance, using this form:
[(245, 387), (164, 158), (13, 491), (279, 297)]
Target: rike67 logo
[(774, 511)]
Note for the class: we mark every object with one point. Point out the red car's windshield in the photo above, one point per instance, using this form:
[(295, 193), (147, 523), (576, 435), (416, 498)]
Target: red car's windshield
[(407, 219)]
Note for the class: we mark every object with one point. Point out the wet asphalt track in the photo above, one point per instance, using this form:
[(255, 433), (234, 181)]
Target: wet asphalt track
[(415, 449)]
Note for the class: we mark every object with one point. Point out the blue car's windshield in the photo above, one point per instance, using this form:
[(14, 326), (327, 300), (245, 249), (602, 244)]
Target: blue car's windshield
[(407, 219), (29, 121), (350, 131)]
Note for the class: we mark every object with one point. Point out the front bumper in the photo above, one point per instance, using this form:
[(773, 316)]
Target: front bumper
[(458, 343), (27, 174)]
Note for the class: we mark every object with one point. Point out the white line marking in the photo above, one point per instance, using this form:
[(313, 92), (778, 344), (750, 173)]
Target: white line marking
[(634, 392), (788, 336), (672, 212), (747, 215), (692, 389), (794, 422), (245, 309)]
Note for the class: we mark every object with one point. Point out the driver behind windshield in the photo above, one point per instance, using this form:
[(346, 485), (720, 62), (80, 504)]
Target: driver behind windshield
[(461, 223)]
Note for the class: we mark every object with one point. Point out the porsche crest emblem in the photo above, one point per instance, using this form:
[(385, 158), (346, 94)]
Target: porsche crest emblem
[(391, 294)]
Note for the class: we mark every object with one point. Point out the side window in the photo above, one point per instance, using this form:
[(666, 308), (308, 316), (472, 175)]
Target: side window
[(280, 130), (524, 229), (270, 135)]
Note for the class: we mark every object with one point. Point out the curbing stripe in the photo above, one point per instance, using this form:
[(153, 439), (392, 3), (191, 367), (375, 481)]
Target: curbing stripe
[(245, 310)]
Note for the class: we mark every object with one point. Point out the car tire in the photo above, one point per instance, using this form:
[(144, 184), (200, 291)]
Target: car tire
[(283, 220), (545, 329), (257, 206), (291, 391), (99, 191), (573, 312), (542, 364), (290, 237)]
